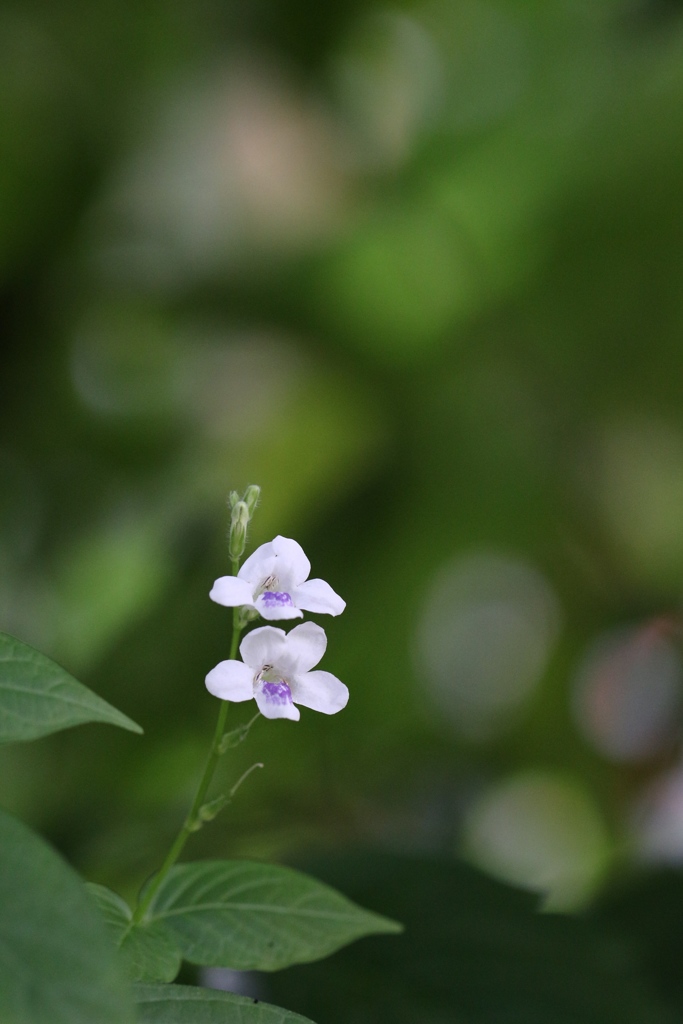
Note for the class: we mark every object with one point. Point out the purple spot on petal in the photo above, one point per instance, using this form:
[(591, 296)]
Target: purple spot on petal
[(275, 599), (277, 693)]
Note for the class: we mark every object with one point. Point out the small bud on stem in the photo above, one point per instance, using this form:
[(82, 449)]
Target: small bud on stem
[(238, 530), (208, 811), (251, 497)]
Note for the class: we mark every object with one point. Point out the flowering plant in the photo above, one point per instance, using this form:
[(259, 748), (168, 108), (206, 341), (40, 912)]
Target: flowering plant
[(82, 954)]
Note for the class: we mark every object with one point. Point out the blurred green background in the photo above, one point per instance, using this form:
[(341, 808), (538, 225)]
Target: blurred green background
[(417, 270)]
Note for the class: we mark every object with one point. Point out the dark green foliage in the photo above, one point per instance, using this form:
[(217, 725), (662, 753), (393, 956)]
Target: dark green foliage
[(56, 965), (475, 951), (183, 1004)]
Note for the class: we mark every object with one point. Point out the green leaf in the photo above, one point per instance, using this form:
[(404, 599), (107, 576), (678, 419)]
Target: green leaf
[(38, 697), (149, 951), (56, 962), (183, 1004), (252, 916)]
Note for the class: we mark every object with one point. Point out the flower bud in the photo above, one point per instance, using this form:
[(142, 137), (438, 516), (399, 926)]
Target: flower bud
[(238, 530), (251, 497), (208, 811), (233, 499)]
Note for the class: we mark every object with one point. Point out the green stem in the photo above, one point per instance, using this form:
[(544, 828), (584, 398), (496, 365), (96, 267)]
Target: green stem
[(192, 821)]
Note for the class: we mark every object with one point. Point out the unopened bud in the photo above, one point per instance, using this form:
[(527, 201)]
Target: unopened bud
[(251, 497), (233, 499), (208, 811), (238, 530)]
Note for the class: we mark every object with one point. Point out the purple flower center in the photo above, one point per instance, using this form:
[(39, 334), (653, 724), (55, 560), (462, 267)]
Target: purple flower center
[(277, 693), (276, 599)]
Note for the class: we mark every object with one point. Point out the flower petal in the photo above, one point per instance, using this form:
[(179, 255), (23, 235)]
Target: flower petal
[(232, 592), (304, 647), (274, 605), (263, 646), (231, 680), (318, 596), (275, 701), (260, 564), (292, 561), (320, 691)]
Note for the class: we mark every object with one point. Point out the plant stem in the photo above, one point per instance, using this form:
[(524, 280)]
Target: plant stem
[(192, 821)]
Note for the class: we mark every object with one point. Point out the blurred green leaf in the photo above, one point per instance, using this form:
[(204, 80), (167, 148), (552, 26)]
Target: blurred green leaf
[(649, 910), (251, 916), (183, 1004), (474, 950), (56, 965), (148, 951), (38, 697)]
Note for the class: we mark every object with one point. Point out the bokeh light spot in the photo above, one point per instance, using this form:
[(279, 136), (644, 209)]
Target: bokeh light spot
[(543, 832), (387, 78), (657, 820), (628, 691), (485, 635)]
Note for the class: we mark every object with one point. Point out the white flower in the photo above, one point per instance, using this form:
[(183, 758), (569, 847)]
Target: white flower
[(276, 673), (274, 581)]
